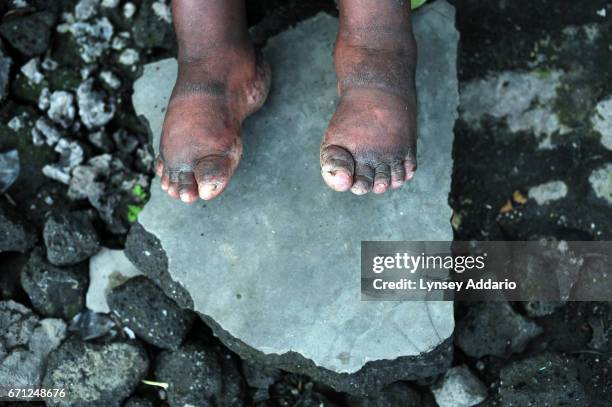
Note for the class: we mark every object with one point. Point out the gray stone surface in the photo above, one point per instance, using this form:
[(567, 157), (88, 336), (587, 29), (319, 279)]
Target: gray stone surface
[(277, 264)]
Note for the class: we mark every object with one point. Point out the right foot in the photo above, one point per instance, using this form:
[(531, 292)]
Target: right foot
[(221, 80)]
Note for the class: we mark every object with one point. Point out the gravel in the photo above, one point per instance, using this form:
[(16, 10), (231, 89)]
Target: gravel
[(25, 342), (70, 238), (459, 388), (61, 108), (93, 38), (95, 107)]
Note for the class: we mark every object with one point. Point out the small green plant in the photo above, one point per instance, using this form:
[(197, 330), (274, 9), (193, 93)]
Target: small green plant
[(140, 198), (133, 211), (139, 192)]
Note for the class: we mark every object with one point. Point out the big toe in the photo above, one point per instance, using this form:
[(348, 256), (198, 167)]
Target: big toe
[(212, 175), (337, 167)]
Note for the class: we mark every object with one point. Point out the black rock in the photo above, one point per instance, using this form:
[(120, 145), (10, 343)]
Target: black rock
[(150, 31), (11, 265), (547, 379), (595, 281), (199, 375), (54, 291), (494, 328), (96, 374), (144, 250), (17, 324), (30, 34), (25, 342), (15, 234), (537, 309), (145, 309), (138, 402), (70, 238), (259, 376), (89, 325), (296, 390), (395, 394), (9, 163), (5, 69)]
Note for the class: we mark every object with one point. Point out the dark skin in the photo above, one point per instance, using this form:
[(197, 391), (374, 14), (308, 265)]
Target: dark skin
[(370, 144)]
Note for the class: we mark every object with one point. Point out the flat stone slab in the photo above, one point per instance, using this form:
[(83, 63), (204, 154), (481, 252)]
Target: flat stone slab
[(274, 263)]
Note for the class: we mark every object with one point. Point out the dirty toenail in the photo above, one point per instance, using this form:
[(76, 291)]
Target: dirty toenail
[(184, 196), (206, 190)]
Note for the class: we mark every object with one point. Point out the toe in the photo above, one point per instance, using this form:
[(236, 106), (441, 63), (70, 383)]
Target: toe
[(409, 168), (410, 165), (337, 167), (398, 174), (212, 175), (364, 177), (173, 190), (165, 181), (187, 187), (159, 166), (382, 179)]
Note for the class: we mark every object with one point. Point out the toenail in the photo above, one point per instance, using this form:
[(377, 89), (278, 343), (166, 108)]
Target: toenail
[(184, 196), (207, 189), (409, 176), (380, 187)]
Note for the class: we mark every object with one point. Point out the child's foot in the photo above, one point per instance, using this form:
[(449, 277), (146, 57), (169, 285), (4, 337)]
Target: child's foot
[(221, 81), (370, 144), (200, 146)]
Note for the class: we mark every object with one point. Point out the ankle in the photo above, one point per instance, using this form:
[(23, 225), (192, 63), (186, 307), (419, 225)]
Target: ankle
[(386, 69)]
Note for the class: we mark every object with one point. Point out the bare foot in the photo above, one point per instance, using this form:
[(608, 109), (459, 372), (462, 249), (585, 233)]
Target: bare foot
[(370, 144), (221, 81)]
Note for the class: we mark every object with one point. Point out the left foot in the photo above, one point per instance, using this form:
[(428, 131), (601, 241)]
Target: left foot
[(370, 144)]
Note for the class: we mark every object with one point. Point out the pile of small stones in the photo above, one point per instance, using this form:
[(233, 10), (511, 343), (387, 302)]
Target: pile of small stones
[(76, 314)]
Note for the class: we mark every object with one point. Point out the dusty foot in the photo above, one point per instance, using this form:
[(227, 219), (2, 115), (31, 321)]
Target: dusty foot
[(200, 146), (370, 144)]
